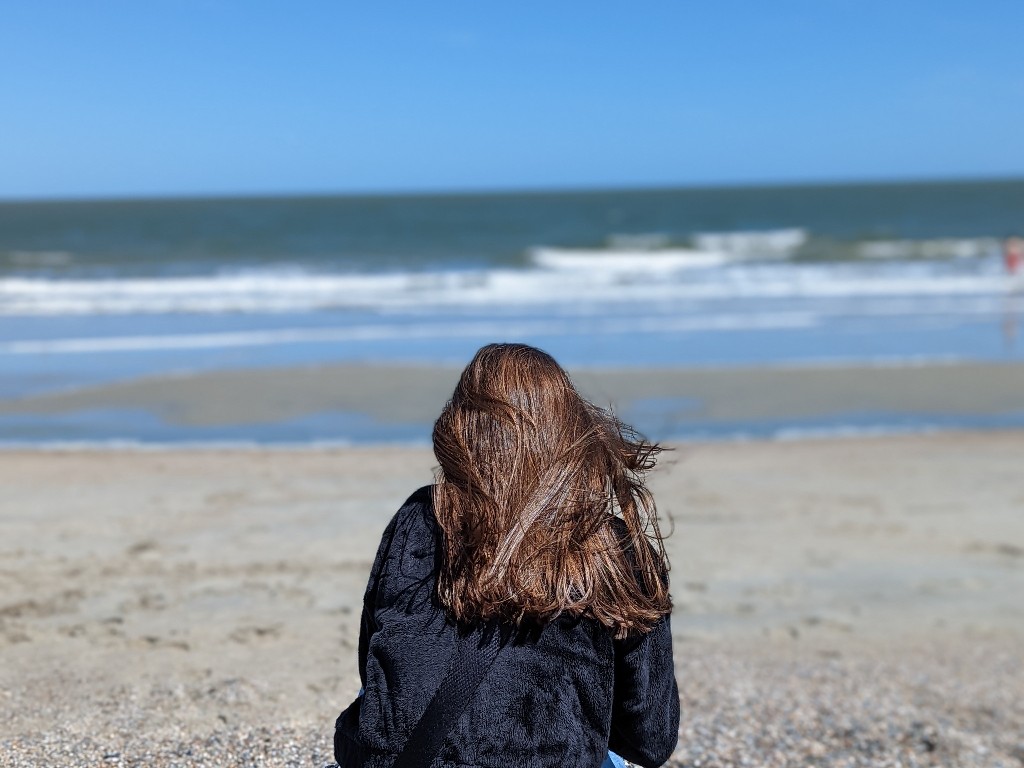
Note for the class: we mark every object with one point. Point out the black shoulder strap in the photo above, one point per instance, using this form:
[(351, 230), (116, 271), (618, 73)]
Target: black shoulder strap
[(474, 656)]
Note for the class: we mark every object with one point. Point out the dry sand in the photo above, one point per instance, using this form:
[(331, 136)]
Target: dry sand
[(837, 602)]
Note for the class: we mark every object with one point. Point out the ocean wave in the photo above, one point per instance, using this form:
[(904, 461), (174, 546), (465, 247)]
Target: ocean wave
[(619, 261), (769, 243), (944, 248), (587, 279), (653, 253)]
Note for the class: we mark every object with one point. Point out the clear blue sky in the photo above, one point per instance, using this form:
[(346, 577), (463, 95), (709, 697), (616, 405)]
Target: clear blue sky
[(186, 96)]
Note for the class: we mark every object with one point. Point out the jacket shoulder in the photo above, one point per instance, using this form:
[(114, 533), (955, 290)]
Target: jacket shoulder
[(416, 511), (414, 521), (424, 495)]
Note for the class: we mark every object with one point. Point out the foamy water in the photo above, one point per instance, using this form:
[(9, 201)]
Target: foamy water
[(564, 277)]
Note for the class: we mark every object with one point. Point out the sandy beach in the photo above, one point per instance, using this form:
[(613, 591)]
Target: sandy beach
[(841, 602)]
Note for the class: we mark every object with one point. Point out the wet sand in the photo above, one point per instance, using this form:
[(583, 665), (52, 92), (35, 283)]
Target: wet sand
[(837, 602), (397, 394)]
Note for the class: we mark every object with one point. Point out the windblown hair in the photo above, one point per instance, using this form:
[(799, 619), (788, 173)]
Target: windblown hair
[(541, 500)]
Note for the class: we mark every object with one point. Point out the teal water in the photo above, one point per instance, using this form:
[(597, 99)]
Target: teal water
[(891, 274), (205, 236)]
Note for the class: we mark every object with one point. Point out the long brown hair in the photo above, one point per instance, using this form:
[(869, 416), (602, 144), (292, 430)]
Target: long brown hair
[(541, 500)]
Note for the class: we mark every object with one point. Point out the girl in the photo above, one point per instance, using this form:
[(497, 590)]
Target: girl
[(517, 612)]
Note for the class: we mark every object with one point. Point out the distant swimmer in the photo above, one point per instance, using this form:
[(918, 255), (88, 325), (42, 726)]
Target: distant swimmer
[(1013, 254)]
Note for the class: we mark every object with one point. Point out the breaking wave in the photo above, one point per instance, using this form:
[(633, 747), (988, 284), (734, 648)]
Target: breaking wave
[(645, 267), (274, 293)]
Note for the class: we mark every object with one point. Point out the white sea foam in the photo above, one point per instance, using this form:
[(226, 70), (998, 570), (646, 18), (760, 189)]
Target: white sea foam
[(946, 248), (650, 254), (599, 278), (627, 261), (769, 243)]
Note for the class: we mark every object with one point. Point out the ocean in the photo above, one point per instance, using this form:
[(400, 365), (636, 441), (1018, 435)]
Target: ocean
[(95, 292)]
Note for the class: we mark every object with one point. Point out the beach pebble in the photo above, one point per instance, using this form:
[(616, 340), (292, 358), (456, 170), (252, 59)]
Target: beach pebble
[(859, 711)]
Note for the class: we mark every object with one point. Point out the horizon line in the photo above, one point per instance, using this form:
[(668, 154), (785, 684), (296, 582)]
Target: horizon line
[(511, 191)]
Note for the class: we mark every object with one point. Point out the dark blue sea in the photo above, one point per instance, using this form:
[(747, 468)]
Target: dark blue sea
[(883, 274)]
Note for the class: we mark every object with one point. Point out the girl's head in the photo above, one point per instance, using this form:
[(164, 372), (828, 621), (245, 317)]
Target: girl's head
[(541, 500)]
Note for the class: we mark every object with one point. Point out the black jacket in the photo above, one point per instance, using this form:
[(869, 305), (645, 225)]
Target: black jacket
[(560, 698)]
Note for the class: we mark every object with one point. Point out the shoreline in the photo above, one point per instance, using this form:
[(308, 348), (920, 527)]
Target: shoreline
[(367, 404)]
